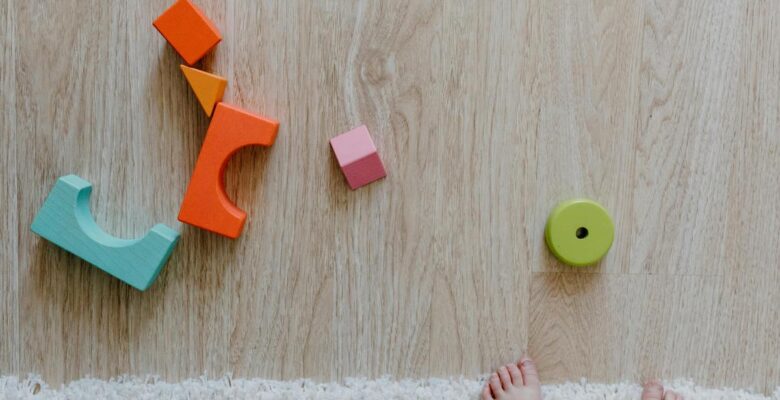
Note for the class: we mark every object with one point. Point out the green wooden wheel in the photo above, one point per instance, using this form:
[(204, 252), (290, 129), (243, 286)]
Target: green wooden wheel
[(579, 232)]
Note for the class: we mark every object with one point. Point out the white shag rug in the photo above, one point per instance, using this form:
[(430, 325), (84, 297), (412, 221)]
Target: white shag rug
[(13, 388)]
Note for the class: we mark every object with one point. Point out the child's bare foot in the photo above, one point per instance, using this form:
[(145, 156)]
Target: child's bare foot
[(514, 382), (655, 391)]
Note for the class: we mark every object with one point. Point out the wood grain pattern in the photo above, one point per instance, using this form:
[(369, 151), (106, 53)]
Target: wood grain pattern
[(486, 115), (635, 326), (9, 300)]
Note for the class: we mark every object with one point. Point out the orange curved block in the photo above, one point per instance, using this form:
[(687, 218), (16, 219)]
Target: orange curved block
[(205, 203)]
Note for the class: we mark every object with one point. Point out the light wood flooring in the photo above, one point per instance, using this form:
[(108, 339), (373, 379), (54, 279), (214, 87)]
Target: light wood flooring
[(486, 114)]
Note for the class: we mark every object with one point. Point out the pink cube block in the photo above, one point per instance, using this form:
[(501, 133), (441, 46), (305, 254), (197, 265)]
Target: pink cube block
[(357, 157)]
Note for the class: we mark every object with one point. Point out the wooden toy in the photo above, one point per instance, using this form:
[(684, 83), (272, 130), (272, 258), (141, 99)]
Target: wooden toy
[(357, 157), (205, 203), (188, 30), (65, 220), (208, 88), (579, 232)]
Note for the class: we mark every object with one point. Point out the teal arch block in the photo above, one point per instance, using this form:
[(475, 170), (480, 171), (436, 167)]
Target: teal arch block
[(65, 220)]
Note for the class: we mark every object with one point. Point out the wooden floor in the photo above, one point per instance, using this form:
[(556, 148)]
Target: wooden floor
[(486, 114)]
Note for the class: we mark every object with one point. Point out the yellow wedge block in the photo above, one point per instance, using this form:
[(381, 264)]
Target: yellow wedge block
[(208, 88)]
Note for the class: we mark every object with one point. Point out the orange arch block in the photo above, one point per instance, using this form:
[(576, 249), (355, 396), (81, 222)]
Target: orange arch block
[(208, 88), (205, 203)]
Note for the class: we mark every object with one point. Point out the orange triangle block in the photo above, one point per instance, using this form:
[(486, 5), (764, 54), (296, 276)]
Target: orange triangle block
[(208, 88)]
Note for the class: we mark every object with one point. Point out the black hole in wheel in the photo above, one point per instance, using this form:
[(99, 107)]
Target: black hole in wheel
[(582, 232)]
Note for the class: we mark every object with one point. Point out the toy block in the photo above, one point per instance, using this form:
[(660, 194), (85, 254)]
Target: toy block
[(208, 88), (579, 232), (357, 157), (65, 220), (188, 30), (206, 204)]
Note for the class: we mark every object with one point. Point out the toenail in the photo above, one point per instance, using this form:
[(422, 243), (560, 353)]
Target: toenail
[(653, 382)]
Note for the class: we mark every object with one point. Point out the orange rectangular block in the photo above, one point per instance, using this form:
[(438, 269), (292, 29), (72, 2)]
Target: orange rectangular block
[(188, 30), (205, 203)]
